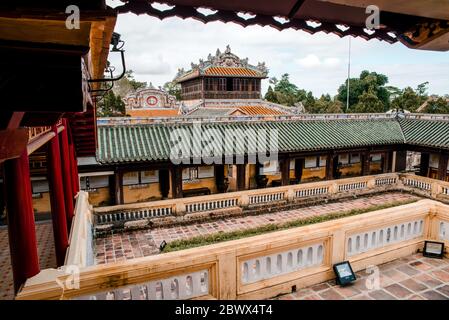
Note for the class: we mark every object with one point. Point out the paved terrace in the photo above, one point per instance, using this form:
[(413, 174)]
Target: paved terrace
[(130, 245), (411, 278), (46, 253)]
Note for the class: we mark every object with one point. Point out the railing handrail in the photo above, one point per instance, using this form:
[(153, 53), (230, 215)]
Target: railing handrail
[(79, 242), (237, 194)]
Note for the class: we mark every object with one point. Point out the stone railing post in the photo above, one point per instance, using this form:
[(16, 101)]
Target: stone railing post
[(435, 189), (290, 195), (433, 228), (371, 184), (338, 253), (333, 188), (180, 208), (243, 200), (227, 276)]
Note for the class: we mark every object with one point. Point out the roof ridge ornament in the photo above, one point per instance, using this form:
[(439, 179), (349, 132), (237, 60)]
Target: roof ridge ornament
[(225, 59)]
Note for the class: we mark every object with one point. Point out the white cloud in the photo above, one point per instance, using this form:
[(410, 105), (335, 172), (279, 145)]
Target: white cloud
[(331, 62), (309, 61), (312, 61), (147, 64)]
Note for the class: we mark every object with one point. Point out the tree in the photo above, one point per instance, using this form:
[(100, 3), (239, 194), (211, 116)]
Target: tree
[(325, 104), (369, 102), (408, 100), (271, 95), (111, 106), (286, 93), (173, 88), (128, 84), (421, 90), (440, 105), (368, 82)]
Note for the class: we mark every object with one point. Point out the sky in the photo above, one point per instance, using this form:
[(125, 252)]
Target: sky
[(155, 50)]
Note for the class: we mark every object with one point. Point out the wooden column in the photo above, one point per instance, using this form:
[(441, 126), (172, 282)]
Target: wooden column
[(401, 160), (424, 165), (241, 173), (176, 181), (112, 197), (164, 183), (20, 215), (67, 175), (219, 177), (442, 166), (330, 166), (285, 171), (57, 200), (365, 163), (388, 164), (118, 187)]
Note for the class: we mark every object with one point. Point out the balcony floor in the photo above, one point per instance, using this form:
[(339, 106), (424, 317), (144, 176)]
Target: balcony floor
[(411, 278), (130, 245), (46, 254)]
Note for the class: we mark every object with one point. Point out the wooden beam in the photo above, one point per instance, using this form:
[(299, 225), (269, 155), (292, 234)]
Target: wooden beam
[(12, 143), (296, 8)]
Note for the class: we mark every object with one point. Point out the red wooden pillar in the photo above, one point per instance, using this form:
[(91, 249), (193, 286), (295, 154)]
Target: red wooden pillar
[(73, 162), (21, 230), (67, 174), (57, 202)]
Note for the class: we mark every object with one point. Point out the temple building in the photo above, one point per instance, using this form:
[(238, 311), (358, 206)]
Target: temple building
[(226, 85), (151, 102)]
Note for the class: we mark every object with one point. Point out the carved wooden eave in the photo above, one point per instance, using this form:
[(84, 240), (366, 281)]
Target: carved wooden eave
[(222, 61), (398, 18)]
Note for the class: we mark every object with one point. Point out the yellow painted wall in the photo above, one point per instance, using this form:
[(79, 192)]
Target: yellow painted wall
[(375, 167), (313, 174), (351, 169), (99, 197), (136, 193), (272, 177), (42, 205), (201, 183)]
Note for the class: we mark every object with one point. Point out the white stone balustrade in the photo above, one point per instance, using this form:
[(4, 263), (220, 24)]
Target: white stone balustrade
[(311, 192), (384, 236), (266, 197), (211, 205), (444, 231), (415, 182), (352, 186), (386, 181), (134, 214), (243, 199), (270, 266), (180, 287)]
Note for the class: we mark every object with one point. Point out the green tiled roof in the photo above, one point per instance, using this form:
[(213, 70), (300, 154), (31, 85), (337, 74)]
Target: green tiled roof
[(430, 133), (151, 142)]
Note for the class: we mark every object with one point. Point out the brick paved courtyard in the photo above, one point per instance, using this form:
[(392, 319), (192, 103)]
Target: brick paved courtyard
[(411, 278), (46, 253), (122, 246)]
